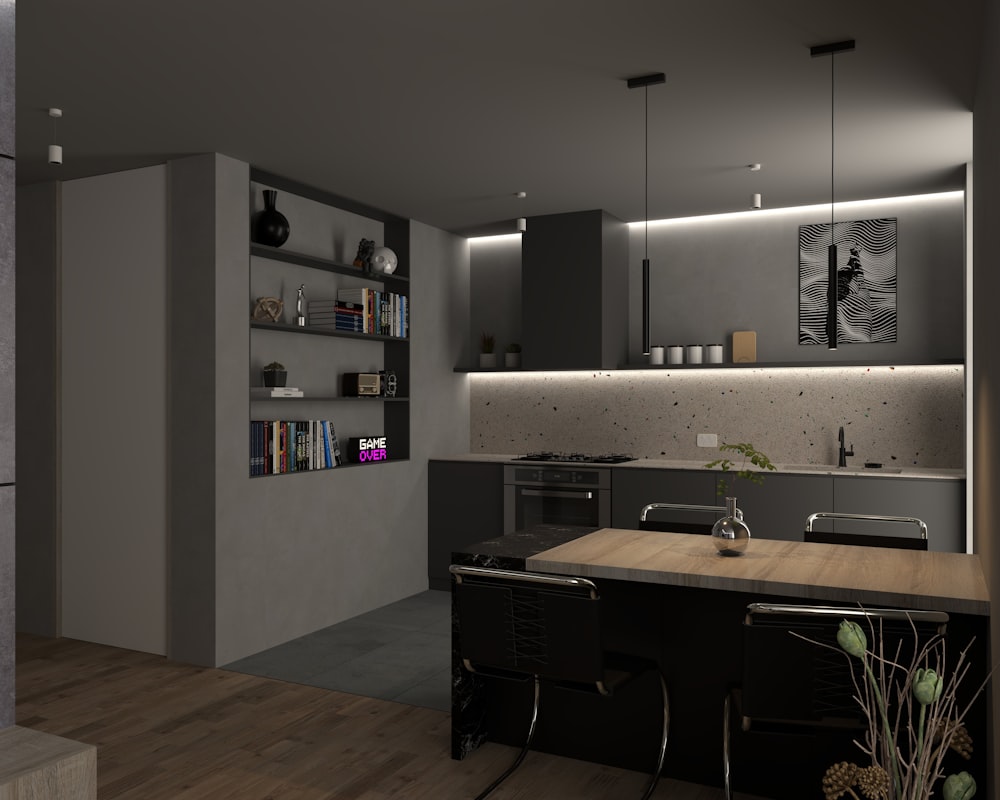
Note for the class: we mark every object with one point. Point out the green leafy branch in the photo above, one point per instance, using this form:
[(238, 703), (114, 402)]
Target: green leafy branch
[(749, 453)]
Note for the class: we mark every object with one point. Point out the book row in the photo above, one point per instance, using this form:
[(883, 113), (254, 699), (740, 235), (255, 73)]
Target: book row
[(280, 446), (363, 310)]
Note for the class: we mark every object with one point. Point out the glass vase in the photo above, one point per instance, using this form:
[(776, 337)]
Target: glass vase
[(730, 533)]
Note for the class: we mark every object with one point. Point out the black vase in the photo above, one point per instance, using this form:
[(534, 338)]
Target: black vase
[(270, 226)]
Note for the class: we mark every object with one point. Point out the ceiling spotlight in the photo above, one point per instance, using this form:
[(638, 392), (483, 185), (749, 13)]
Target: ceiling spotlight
[(55, 150), (754, 167), (520, 195), (522, 224), (755, 202)]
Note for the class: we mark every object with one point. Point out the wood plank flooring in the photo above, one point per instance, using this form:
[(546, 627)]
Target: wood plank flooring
[(170, 731)]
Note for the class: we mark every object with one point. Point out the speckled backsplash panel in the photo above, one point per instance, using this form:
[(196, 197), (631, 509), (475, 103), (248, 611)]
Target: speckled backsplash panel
[(901, 416)]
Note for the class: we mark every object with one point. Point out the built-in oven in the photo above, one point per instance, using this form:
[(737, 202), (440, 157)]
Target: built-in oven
[(554, 494)]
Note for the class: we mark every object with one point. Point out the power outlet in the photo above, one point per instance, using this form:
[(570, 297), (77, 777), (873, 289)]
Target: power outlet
[(708, 440)]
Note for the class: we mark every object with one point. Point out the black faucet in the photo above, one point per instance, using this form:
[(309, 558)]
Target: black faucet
[(842, 460)]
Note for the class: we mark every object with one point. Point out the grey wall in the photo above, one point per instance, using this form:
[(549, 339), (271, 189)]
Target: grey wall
[(494, 294), (113, 409), (985, 383), (713, 276), (256, 562), (7, 361), (37, 392)]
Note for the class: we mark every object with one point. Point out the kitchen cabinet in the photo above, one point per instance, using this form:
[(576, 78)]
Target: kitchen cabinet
[(778, 508), (939, 503), (464, 506), (632, 488)]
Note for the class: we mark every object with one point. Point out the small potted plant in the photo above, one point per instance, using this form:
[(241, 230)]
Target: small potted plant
[(487, 358), (512, 358), (274, 374)]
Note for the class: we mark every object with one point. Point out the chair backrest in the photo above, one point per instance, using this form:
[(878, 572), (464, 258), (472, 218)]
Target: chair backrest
[(866, 539), (792, 681), (682, 513), (523, 623)]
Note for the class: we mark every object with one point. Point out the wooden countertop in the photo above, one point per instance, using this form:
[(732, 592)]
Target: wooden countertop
[(824, 573)]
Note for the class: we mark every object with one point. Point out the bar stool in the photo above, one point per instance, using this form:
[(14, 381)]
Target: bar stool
[(647, 524), (793, 686), (866, 540), (547, 628)]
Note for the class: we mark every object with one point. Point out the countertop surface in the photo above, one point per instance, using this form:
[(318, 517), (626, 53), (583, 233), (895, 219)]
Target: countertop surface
[(887, 471), (951, 582)]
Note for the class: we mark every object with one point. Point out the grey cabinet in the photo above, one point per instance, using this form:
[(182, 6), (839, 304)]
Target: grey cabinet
[(574, 291), (631, 489), (778, 508), (464, 506), (939, 503)]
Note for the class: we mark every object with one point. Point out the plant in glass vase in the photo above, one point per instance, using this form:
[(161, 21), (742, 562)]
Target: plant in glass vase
[(730, 533), (914, 721)]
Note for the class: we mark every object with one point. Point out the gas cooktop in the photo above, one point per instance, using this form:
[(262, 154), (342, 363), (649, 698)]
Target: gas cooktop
[(576, 458)]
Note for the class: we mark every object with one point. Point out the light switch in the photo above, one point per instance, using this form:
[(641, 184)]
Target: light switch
[(708, 440)]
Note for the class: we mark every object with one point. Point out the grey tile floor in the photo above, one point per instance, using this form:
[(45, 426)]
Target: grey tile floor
[(399, 652)]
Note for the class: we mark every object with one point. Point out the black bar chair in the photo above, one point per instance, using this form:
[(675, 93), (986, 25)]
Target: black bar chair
[(864, 539), (524, 625), (790, 685), (681, 511)]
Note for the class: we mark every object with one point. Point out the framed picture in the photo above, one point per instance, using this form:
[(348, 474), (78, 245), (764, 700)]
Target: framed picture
[(866, 280)]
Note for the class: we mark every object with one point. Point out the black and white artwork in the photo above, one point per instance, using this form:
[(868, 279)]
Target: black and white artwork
[(866, 280)]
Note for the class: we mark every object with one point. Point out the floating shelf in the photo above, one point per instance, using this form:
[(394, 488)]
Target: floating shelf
[(291, 257)]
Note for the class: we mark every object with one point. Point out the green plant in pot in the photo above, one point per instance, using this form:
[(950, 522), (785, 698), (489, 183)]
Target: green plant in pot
[(487, 358), (512, 357), (730, 533), (274, 374)]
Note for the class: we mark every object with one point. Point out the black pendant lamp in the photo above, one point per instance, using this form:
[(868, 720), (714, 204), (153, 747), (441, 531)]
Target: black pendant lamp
[(831, 287), (645, 81)]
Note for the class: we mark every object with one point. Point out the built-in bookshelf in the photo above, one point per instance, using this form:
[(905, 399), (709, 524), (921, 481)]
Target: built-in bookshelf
[(285, 441)]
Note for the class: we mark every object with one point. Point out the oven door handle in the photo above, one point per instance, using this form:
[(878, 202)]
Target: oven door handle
[(556, 493)]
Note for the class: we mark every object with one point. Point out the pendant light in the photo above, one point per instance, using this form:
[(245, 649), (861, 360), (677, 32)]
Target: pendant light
[(645, 81), (831, 286)]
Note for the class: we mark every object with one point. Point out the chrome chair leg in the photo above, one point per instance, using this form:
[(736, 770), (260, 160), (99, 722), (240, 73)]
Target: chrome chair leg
[(727, 710), (663, 740), (524, 750)]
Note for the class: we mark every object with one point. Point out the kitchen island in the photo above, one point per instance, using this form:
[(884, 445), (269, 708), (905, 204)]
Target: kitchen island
[(672, 597)]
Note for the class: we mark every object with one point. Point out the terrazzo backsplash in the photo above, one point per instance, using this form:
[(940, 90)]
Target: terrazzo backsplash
[(909, 416)]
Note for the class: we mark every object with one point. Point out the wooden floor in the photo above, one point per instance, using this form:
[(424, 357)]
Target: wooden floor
[(169, 731)]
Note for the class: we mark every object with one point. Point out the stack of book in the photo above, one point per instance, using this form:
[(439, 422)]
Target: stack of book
[(280, 446), (264, 392), (363, 311)]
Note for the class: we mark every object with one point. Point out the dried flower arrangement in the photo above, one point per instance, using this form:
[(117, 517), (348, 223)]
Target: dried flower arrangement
[(913, 721)]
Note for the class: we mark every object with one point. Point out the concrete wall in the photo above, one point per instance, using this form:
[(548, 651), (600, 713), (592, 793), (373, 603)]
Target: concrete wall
[(985, 382), (113, 409), (7, 362)]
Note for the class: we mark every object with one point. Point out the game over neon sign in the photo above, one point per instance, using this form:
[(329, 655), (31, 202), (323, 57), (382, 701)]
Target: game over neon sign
[(368, 449)]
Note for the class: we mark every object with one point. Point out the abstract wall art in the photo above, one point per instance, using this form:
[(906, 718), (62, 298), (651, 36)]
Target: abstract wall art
[(866, 280)]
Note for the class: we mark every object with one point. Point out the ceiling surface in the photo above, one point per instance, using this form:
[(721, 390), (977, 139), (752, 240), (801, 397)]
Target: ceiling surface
[(442, 110)]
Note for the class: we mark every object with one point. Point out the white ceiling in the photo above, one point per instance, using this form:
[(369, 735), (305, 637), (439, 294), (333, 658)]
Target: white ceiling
[(441, 110)]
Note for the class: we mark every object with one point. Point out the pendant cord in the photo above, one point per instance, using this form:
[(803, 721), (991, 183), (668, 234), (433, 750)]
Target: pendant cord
[(646, 171), (832, 145)]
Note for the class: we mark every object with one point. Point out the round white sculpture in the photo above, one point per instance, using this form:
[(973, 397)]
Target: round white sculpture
[(384, 260)]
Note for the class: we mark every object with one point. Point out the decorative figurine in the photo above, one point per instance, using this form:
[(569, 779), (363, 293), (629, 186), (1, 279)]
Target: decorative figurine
[(267, 309), (383, 260), (300, 307), (364, 257)]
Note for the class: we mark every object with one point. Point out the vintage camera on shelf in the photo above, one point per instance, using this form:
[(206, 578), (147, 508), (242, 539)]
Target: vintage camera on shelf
[(361, 384), (390, 384)]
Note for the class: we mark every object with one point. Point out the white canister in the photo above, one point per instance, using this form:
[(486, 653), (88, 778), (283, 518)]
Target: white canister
[(675, 354), (713, 353), (656, 354), (694, 353)]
